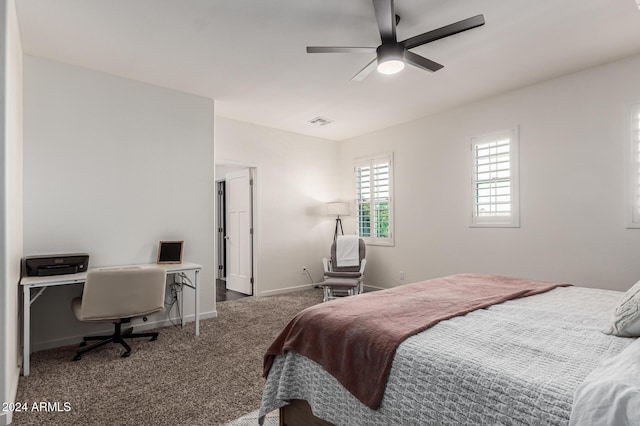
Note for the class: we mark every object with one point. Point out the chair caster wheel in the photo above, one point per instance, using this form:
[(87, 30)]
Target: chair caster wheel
[(77, 358), (126, 354)]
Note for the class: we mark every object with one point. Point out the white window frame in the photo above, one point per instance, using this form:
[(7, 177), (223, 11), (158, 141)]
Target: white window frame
[(370, 162), (511, 220), (633, 167)]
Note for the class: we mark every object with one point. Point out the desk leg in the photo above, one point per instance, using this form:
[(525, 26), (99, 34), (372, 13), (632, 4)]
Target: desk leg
[(26, 329), (182, 286), (197, 308)]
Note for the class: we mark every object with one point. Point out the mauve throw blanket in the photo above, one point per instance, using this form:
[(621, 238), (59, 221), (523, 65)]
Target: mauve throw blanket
[(355, 338)]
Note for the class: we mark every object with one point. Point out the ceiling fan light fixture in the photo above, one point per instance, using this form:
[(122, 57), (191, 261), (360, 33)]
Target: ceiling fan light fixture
[(390, 58), (391, 66), (392, 55)]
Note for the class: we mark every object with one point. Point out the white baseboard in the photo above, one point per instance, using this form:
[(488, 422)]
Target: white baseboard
[(169, 322), (286, 290), (373, 288), (305, 287), (72, 340)]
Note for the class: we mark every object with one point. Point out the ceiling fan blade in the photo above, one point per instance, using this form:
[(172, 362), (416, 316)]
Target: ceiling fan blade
[(386, 17), (329, 49), (446, 31), (421, 62), (365, 71)]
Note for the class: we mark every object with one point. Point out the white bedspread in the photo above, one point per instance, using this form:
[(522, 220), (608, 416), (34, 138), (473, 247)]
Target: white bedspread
[(610, 395), (516, 363)]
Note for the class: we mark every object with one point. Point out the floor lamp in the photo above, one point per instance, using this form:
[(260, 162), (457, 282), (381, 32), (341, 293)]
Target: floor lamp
[(338, 209)]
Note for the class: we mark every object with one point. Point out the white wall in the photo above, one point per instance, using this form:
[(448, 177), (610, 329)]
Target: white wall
[(573, 143), (296, 176), (112, 166), (11, 208)]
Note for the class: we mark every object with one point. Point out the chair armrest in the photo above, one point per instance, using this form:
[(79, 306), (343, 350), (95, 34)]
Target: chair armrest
[(362, 265), (333, 274), (326, 264)]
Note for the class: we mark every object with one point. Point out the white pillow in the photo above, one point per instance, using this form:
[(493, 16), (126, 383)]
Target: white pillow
[(634, 328), (610, 394), (626, 317)]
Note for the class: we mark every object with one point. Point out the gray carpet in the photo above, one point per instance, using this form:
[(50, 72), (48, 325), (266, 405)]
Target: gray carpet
[(178, 380), (251, 419)]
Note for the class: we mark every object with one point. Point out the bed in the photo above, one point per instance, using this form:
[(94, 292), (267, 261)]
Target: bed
[(514, 362)]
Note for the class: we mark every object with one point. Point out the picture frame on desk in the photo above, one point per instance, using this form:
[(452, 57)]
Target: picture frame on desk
[(170, 252)]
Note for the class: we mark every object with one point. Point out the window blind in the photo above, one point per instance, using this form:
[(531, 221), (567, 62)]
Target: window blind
[(492, 176), (493, 167), (373, 199)]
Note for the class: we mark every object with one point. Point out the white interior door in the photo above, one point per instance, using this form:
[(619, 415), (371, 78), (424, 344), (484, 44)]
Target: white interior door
[(238, 237)]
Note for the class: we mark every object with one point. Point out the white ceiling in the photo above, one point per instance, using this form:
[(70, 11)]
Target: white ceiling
[(249, 55)]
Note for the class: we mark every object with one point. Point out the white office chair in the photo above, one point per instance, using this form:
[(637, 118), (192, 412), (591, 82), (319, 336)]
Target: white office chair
[(117, 296), (342, 281)]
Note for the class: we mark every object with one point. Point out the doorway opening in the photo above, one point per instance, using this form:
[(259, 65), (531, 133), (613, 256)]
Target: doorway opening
[(235, 246)]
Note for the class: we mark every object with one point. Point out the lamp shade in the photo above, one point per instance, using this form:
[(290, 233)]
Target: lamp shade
[(338, 209)]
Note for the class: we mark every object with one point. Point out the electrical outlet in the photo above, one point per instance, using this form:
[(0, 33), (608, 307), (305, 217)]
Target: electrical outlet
[(401, 275), (304, 270)]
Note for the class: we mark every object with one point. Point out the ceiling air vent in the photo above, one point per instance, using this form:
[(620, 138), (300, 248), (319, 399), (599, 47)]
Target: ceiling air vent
[(320, 121)]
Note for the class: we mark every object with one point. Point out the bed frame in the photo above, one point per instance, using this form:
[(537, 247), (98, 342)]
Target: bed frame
[(298, 413)]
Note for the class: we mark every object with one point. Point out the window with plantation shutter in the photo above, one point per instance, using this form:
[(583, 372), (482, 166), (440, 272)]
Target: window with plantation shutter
[(634, 168), (494, 179), (374, 199)]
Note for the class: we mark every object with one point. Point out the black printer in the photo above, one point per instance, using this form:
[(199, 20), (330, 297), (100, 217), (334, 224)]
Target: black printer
[(55, 264)]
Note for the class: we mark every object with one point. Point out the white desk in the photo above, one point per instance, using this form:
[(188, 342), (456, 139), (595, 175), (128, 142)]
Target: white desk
[(43, 283)]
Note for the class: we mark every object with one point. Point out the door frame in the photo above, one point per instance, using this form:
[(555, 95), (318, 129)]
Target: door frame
[(221, 227), (255, 213)]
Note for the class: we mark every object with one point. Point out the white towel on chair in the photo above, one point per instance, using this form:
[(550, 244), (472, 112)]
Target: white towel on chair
[(347, 250)]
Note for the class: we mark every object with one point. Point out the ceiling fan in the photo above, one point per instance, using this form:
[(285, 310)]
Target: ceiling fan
[(392, 54)]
